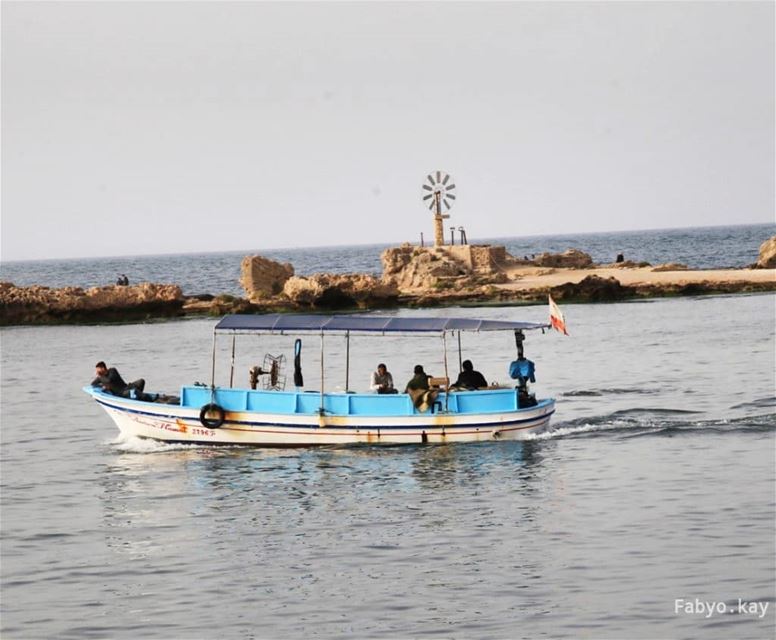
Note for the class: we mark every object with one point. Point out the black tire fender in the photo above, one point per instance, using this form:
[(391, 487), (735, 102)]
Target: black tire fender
[(212, 423)]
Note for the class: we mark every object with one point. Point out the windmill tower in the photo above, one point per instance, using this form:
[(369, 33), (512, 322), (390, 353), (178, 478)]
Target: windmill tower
[(438, 190)]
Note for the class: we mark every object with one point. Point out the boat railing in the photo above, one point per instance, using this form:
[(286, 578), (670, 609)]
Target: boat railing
[(346, 404)]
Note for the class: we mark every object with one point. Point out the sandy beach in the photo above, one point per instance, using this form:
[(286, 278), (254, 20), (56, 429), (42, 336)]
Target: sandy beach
[(526, 279)]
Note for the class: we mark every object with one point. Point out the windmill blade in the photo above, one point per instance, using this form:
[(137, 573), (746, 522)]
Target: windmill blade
[(437, 189)]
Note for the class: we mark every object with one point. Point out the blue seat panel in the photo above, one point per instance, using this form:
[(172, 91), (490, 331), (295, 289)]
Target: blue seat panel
[(344, 404)]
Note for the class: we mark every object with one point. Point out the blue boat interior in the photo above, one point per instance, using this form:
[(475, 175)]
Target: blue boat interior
[(350, 404)]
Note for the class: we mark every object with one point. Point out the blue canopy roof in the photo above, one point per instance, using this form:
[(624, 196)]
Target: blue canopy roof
[(281, 322)]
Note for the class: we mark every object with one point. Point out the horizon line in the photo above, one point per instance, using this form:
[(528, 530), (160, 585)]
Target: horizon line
[(370, 244)]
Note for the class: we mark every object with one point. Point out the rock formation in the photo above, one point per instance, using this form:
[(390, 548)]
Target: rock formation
[(42, 305), (412, 276), (767, 259), (570, 259), (625, 264), (594, 289), (339, 291), (670, 266), (262, 277), (431, 268)]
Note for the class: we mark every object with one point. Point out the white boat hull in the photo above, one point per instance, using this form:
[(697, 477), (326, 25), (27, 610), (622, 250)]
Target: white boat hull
[(173, 423)]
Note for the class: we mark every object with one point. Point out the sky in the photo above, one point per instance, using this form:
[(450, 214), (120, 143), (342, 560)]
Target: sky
[(132, 128)]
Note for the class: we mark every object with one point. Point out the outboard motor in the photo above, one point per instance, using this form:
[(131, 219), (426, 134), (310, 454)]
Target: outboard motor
[(523, 370)]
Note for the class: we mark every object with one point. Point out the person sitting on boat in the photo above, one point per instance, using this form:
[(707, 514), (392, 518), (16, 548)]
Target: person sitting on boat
[(469, 378), (382, 380), (418, 389), (419, 380), (110, 380)]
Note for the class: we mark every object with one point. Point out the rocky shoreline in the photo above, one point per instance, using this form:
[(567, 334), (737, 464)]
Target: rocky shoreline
[(412, 277)]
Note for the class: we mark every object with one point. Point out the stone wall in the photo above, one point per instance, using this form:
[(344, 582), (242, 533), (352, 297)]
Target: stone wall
[(487, 259), (481, 258), (262, 277)]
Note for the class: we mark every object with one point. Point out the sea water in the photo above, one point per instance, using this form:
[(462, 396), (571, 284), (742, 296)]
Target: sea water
[(655, 491)]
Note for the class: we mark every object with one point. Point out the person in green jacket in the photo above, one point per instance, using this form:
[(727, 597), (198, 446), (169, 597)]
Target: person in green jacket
[(418, 389)]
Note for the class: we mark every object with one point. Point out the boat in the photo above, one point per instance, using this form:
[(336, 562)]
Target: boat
[(275, 416)]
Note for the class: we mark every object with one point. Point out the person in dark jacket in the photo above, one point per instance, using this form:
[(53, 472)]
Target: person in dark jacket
[(469, 378), (110, 380)]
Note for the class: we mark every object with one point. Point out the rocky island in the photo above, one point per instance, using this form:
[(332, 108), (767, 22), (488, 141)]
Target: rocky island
[(412, 276)]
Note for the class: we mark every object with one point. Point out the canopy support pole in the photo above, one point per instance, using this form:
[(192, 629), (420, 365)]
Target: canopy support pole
[(231, 372), (213, 372), (522, 383), (213, 369), (347, 361), (460, 359), (447, 375), (519, 337), (321, 409)]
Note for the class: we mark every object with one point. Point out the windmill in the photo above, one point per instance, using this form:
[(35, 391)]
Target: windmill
[(438, 190)]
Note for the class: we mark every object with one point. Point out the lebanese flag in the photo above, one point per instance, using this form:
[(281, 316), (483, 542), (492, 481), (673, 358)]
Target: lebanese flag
[(557, 320)]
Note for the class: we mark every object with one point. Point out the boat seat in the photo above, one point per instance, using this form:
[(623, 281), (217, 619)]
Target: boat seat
[(439, 383)]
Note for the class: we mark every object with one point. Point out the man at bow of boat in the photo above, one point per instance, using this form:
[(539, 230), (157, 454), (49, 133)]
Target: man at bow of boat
[(110, 380)]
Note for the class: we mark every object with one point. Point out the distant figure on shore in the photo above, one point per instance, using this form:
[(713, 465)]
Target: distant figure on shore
[(122, 281), (382, 380), (620, 258), (469, 378)]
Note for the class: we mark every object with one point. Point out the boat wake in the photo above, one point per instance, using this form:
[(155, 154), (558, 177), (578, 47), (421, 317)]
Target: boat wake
[(564, 429), (597, 393), (133, 444), (761, 403), (634, 423)]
